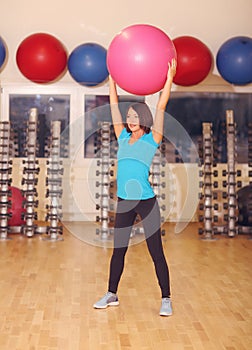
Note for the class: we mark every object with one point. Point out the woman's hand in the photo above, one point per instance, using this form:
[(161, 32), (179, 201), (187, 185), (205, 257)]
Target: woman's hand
[(172, 66), (112, 91), (111, 80)]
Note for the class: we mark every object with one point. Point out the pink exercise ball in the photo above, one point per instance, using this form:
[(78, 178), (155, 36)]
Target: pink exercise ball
[(194, 61), (41, 58), (138, 57)]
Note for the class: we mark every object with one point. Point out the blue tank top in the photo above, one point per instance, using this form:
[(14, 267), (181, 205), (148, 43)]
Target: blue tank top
[(133, 166)]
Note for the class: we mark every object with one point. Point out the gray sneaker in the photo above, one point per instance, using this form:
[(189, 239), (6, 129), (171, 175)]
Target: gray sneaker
[(166, 307), (109, 299)]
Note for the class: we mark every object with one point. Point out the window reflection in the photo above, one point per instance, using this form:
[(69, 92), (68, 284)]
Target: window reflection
[(50, 108)]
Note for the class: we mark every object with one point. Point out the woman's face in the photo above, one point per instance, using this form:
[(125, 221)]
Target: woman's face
[(133, 120)]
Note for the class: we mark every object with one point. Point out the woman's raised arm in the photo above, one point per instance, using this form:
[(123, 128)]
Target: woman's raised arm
[(115, 111), (158, 125)]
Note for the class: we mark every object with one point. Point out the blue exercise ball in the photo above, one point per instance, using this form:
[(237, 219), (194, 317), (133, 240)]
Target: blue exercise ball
[(2, 52), (234, 60), (87, 64)]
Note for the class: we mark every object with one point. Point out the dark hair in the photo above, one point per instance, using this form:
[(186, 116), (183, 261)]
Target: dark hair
[(144, 114)]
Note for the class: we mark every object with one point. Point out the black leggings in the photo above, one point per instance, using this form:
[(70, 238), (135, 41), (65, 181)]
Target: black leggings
[(126, 213)]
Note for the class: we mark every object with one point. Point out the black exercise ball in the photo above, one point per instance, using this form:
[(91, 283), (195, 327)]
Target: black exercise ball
[(244, 202)]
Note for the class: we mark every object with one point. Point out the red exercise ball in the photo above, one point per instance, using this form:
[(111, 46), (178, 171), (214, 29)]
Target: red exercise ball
[(41, 58), (16, 209), (194, 61)]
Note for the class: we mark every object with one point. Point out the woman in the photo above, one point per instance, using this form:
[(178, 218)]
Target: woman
[(137, 145)]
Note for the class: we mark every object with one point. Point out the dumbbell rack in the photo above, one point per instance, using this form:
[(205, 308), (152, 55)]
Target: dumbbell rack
[(206, 184), (54, 185), (250, 163), (231, 174), (157, 174), (104, 183), (5, 181), (30, 173), (250, 153), (230, 183)]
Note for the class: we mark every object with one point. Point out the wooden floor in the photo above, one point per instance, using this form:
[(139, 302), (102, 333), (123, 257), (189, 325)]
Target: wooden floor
[(47, 290)]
